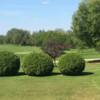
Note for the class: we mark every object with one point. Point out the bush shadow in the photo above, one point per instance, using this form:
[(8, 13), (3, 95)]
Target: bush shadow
[(20, 74), (81, 74), (52, 74), (13, 75), (55, 73), (86, 73)]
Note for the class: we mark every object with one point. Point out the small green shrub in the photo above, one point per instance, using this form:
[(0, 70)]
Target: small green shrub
[(9, 63), (38, 64), (71, 64)]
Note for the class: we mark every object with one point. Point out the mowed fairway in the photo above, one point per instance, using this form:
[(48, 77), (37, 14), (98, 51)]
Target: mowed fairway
[(21, 51), (54, 87)]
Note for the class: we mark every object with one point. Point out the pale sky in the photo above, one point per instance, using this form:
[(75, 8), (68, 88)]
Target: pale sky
[(34, 15)]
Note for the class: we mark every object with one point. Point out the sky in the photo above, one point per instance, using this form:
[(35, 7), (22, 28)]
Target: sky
[(34, 15)]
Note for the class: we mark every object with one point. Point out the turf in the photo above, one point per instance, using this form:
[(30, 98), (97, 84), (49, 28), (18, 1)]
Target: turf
[(86, 53), (19, 49), (23, 50), (54, 87)]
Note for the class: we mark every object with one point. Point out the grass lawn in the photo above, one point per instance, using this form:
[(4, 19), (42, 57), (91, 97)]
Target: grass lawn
[(22, 50), (55, 87), (19, 49), (86, 53)]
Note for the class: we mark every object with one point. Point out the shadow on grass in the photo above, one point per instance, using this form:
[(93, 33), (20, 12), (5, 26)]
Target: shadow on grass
[(82, 74), (86, 73), (20, 74), (52, 74), (13, 75), (55, 73)]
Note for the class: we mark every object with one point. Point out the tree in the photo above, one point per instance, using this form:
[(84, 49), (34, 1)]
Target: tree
[(41, 37), (2, 39), (52, 42), (18, 36), (86, 22), (38, 38), (55, 43)]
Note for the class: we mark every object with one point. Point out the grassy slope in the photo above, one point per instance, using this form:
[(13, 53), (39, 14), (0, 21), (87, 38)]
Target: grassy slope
[(55, 87)]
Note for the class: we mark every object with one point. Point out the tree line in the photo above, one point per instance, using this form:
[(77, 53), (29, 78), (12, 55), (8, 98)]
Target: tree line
[(40, 38), (85, 31)]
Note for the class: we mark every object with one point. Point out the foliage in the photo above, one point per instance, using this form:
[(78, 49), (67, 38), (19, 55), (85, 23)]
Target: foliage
[(52, 42), (75, 41), (55, 43), (18, 36), (38, 64), (71, 64), (2, 39), (9, 63), (86, 22), (53, 48), (62, 39), (98, 46), (38, 38)]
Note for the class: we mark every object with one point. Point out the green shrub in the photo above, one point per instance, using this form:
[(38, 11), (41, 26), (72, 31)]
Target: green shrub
[(9, 63), (71, 64), (38, 64)]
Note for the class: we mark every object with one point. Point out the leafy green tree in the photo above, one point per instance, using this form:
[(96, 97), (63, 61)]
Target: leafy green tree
[(86, 22), (2, 39), (18, 36), (41, 37), (38, 38)]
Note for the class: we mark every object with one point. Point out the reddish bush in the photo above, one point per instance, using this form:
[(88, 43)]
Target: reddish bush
[(54, 49)]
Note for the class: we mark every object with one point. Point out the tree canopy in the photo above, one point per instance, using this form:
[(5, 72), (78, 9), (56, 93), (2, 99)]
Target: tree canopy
[(18, 36), (86, 22)]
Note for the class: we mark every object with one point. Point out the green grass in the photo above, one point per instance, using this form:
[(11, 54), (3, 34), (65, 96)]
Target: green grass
[(86, 53), (55, 87), (19, 49), (22, 50)]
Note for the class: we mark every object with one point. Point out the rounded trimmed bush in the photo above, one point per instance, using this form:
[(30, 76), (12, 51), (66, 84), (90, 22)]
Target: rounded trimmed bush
[(71, 64), (9, 63), (38, 64)]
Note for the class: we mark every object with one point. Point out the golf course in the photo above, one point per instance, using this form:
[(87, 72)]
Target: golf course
[(53, 87)]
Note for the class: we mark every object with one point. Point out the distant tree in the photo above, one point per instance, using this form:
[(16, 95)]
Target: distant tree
[(55, 43), (38, 38), (42, 36), (2, 39), (86, 22), (18, 36)]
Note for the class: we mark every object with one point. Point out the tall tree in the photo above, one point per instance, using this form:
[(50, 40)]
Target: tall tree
[(86, 22)]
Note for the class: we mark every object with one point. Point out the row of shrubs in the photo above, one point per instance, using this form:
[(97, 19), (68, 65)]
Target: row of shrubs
[(40, 64)]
